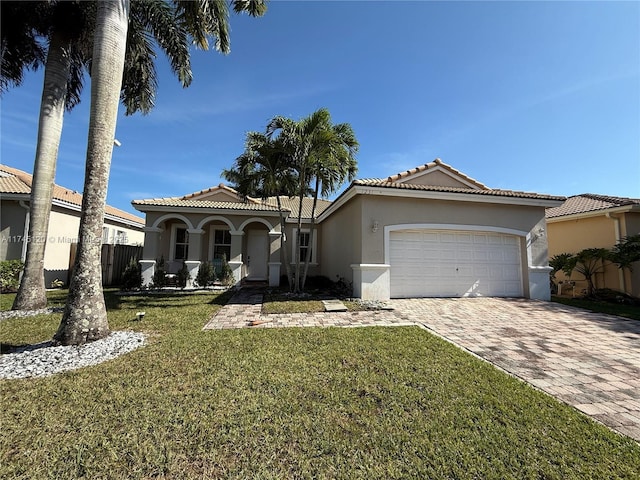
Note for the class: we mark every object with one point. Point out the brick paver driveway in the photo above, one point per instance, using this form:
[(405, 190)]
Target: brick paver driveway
[(588, 360)]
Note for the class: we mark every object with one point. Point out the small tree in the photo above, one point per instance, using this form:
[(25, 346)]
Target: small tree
[(226, 274), (183, 276), (588, 263), (132, 276), (206, 275), (559, 263), (626, 252), (159, 275)]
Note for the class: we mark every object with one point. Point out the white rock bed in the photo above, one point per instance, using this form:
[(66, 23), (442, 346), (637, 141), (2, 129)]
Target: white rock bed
[(43, 359)]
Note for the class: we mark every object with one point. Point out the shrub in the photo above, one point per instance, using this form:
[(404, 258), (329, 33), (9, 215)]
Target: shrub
[(132, 276), (10, 274), (319, 282), (206, 275), (183, 276), (226, 274), (342, 288), (159, 278)]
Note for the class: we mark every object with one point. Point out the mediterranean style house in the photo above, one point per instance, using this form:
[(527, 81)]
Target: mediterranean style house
[(429, 231), (595, 221), (15, 189)]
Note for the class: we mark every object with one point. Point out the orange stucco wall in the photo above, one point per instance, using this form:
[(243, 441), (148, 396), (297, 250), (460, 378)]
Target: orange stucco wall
[(573, 235)]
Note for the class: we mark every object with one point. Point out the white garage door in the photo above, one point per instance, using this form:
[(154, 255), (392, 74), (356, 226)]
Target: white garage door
[(445, 263)]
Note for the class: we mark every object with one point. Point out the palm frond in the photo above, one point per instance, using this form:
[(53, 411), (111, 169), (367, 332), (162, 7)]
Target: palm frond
[(160, 19)]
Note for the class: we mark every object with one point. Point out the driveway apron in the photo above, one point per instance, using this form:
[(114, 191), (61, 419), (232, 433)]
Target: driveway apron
[(588, 360)]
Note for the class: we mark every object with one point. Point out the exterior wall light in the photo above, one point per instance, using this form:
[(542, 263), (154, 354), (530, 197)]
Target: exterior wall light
[(374, 226)]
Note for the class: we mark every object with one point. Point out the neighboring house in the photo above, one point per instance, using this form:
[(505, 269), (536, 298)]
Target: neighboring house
[(430, 231), (64, 223), (595, 221)]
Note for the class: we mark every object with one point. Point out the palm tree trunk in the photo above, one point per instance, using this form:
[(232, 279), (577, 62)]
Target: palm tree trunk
[(283, 244), (311, 230), (85, 314), (296, 287), (32, 294)]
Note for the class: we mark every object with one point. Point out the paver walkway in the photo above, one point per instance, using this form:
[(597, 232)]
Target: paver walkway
[(243, 310), (588, 360)]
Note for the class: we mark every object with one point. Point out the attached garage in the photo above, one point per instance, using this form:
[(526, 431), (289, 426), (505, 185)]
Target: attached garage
[(454, 263)]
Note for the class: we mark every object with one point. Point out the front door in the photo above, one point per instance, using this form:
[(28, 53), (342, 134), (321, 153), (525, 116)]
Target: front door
[(257, 254)]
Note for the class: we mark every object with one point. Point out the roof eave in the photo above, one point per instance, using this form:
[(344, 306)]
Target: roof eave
[(437, 195), (182, 209), (595, 213)]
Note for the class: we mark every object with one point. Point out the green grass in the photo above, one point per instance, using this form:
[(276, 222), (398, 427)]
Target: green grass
[(620, 309), (288, 403), (55, 298), (279, 302)]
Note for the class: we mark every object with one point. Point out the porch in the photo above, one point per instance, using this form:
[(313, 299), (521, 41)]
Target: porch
[(250, 245)]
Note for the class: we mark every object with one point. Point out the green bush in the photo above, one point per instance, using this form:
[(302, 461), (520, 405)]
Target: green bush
[(206, 275), (132, 276), (226, 274), (159, 278), (183, 276), (10, 274)]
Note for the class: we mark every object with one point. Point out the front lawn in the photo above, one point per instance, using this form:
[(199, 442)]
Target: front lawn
[(599, 306), (288, 403)]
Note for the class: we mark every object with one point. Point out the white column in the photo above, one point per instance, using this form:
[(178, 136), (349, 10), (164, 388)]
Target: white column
[(148, 268), (235, 262), (149, 254), (275, 244), (195, 250), (371, 281)]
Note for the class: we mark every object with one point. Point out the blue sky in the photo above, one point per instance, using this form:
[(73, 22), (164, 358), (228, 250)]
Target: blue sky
[(534, 96)]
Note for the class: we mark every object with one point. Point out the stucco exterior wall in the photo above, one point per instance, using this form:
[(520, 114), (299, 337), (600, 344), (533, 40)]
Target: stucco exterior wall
[(12, 220), (575, 234), (314, 267), (631, 226), (437, 178), (398, 210), (342, 236), (62, 233)]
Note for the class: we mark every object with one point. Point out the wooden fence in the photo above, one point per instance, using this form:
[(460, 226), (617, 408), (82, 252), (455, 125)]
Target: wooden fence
[(114, 258)]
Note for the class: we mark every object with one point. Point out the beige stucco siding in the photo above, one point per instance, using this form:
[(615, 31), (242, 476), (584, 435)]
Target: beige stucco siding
[(437, 178), (62, 233), (341, 240), (12, 220), (398, 211)]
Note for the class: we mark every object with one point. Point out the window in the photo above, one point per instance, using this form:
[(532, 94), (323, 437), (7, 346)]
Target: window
[(181, 249), (222, 244), (305, 244), (121, 237)]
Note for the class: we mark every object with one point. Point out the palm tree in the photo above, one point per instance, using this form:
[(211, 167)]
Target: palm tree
[(64, 25), (85, 316), (264, 170), (332, 163), (68, 26), (20, 47), (319, 150)]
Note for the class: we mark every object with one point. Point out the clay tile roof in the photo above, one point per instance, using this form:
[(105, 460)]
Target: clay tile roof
[(13, 180), (292, 204), (437, 162), (589, 202), (182, 202), (376, 182)]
